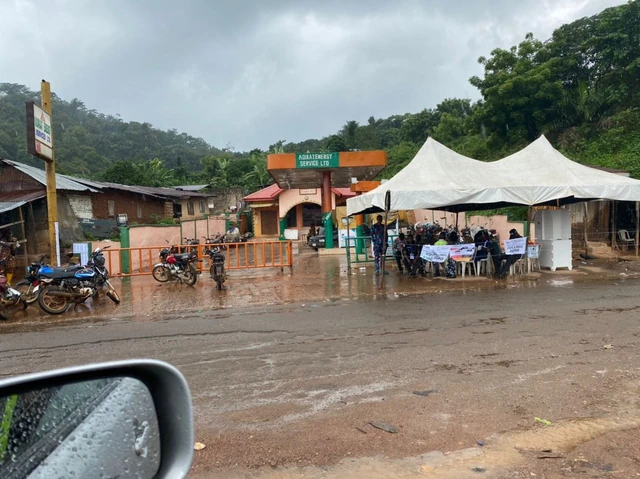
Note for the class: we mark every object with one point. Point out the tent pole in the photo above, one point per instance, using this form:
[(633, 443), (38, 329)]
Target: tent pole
[(613, 225), (637, 225), (457, 219), (384, 251), (348, 243), (584, 224)]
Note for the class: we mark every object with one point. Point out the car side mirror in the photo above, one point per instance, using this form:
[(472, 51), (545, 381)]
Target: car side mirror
[(121, 419)]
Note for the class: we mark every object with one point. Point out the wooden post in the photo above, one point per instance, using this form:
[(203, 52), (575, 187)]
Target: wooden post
[(637, 225), (24, 237), (50, 172)]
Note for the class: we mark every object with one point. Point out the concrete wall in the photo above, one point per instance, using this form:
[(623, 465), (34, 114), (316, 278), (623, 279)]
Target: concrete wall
[(291, 198), (225, 198), (203, 227), (154, 235)]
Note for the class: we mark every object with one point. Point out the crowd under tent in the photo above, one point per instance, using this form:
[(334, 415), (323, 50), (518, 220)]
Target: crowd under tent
[(438, 178)]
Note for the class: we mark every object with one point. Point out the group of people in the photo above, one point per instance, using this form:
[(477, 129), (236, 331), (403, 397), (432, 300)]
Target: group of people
[(407, 249)]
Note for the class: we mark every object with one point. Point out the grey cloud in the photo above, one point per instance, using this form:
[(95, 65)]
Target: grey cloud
[(253, 72)]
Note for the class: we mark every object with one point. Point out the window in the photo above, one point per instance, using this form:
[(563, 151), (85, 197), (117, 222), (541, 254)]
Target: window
[(190, 210), (311, 214), (202, 210), (139, 211), (177, 210), (111, 206), (292, 218)]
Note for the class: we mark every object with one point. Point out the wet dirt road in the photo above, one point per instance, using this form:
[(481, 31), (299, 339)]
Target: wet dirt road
[(291, 390)]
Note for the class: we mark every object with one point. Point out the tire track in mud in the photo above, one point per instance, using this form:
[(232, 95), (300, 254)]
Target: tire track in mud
[(500, 454)]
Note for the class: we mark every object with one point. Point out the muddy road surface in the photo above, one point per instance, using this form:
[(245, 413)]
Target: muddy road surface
[(436, 385)]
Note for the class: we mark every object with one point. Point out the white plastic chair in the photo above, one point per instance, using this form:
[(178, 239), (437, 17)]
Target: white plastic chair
[(483, 265), (471, 264), (625, 239)]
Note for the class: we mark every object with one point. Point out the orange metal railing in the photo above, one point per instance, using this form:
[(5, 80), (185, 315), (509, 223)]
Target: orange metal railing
[(139, 261)]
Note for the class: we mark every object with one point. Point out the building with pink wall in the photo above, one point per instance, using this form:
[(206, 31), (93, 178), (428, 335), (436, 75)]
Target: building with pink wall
[(296, 209)]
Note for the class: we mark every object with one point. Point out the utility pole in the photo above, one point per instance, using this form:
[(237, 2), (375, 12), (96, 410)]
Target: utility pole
[(50, 170)]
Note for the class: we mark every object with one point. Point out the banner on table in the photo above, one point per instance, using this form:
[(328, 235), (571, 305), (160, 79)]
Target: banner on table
[(533, 251), (515, 246), (462, 252), (435, 254)]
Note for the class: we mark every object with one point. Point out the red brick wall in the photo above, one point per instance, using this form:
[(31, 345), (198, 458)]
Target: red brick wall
[(127, 203)]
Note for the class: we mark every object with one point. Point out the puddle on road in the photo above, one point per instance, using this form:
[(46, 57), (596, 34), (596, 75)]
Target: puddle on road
[(314, 279)]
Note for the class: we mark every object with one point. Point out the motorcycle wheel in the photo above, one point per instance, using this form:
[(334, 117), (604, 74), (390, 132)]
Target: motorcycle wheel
[(112, 294), (219, 280), (27, 292), (190, 275), (52, 304), (161, 273)]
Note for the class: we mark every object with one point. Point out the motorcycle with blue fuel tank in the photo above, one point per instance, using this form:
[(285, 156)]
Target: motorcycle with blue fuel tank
[(60, 287)]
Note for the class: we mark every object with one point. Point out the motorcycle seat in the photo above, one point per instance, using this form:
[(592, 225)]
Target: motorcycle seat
[(59, 273), (182, 257)]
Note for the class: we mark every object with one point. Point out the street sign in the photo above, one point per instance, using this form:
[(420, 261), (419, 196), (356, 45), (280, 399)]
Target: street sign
[(317, 160), (39, 138)]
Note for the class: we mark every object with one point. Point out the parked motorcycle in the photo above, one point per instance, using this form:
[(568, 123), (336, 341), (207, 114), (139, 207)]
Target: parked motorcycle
[(29, 287), (194, 242), (9, 297), (61, 287), (216, 270), (179, 267), (101, 279), (218, 240)]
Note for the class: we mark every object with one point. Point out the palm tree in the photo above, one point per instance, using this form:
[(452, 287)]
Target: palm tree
[(259, 176)]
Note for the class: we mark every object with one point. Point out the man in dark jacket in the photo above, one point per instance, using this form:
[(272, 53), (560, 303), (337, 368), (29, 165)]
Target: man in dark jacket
[(510, 259)]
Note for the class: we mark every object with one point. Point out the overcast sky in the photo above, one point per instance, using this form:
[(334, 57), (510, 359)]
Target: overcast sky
[(251, 72)]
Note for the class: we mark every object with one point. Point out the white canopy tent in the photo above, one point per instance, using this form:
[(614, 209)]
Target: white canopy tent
[(439, 178)]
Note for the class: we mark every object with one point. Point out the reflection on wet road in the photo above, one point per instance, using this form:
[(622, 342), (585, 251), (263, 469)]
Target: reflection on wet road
[(314, 279)]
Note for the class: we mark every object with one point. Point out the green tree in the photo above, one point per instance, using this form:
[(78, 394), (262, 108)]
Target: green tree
[(335, 143)]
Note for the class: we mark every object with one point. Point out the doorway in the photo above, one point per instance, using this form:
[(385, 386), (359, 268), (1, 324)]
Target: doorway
[(269, 222)]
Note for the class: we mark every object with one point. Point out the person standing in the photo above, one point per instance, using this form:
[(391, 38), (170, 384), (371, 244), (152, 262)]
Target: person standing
[(378, 239), (7, 257)]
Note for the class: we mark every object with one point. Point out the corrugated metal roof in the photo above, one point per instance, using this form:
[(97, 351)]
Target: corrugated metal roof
[(84, 181), (195, 188), (10, 205), (62, 182), (143, 190), (21, 195)]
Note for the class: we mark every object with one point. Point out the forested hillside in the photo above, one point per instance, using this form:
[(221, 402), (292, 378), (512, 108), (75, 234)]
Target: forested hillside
[(581, 88)]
